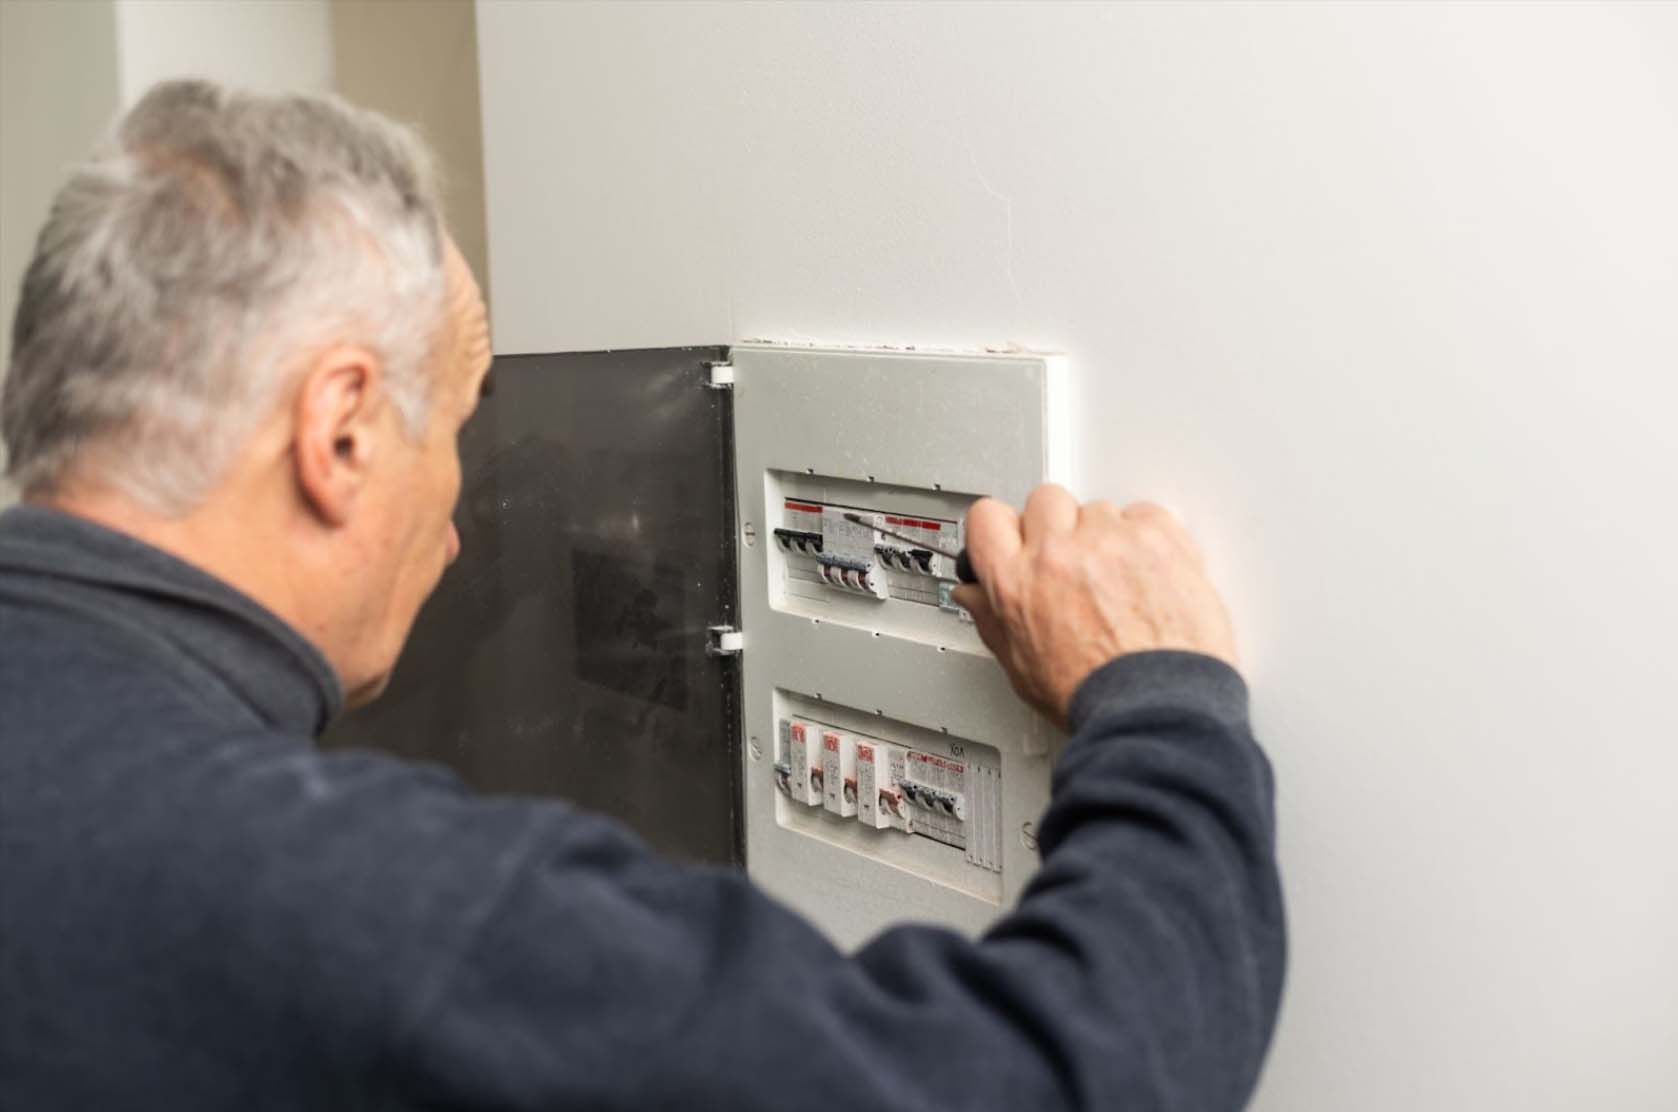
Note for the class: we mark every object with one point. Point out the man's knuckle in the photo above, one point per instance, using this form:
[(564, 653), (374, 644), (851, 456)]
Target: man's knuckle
[(1165, 538), (1060, 556), (1005, 593), (1145, 512), (1101, 508)]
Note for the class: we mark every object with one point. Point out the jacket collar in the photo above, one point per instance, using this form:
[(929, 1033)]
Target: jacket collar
[(264, 664)]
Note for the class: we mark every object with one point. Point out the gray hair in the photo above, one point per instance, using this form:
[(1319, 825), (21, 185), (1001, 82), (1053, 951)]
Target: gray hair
[(189, 266)]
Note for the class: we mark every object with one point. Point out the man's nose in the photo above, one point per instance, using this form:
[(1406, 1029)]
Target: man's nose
[(454, 544)]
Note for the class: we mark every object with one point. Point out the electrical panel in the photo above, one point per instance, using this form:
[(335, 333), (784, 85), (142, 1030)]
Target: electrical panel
[(890, 773), (632, 529)]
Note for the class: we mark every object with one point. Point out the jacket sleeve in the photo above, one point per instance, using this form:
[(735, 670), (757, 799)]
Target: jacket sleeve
[(1141, 969)]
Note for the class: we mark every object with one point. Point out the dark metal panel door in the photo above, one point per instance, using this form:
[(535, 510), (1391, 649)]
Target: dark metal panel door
[(564, 653)]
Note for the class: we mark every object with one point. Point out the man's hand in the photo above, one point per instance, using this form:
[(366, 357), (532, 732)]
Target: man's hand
[(1065, 588)]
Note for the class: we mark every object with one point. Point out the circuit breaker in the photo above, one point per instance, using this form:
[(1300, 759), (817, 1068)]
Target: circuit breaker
[(826, 545), (890, 772), (946, 791)]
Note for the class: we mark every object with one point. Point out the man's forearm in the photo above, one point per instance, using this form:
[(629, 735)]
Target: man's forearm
[(1163, 822), (1144, 963), (1140, 970)]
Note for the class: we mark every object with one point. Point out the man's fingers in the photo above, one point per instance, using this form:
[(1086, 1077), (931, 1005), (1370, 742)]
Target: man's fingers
[(1099, 511), (1152, 516), (1164, 525), (993, 536), (972, 598), (1064, 588), (1050, 509)]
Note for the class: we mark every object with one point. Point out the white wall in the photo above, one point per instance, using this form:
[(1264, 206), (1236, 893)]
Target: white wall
[(1383, 300), (270, 45)]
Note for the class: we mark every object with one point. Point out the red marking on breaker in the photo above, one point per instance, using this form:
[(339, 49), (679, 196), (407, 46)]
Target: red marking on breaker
[(804, 506)]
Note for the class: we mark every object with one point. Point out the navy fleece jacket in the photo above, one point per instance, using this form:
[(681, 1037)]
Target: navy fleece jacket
[(199, 910)]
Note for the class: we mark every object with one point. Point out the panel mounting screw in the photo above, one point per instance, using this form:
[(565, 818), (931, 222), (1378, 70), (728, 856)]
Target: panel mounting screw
[(748, 533), (1028, 837), (757, 750)]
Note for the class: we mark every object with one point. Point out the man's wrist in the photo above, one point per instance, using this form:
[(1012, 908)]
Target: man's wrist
[(1159, 678)]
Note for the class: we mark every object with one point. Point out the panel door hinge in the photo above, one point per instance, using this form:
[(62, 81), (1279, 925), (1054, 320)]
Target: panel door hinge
[(722, 375), (725, 641)]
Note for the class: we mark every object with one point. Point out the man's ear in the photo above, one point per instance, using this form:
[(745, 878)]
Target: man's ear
[(335, 439)]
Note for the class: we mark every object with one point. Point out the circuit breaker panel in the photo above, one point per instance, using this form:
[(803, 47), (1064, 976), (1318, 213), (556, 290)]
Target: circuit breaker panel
[(889, 771), (627, 525)]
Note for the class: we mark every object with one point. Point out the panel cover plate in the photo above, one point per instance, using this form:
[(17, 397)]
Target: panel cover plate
[(565, 652), (905, 432)]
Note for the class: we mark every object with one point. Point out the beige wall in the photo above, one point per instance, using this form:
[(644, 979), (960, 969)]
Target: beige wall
[(418, 62), (58, 87), (68, 66), (269, 45)]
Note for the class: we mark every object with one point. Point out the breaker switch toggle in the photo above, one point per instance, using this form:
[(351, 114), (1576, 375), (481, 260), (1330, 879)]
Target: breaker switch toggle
[(839, 785), (879, 769), (799, 754)]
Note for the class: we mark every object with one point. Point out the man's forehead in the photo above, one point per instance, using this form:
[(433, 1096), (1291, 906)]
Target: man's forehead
[(467, 317), (480, 321), (479, 350)]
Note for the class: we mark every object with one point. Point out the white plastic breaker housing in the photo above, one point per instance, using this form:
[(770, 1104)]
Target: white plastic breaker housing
[(852, 637)]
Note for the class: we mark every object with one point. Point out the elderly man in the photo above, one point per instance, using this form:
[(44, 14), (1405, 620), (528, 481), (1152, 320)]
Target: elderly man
[(243, 353)]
